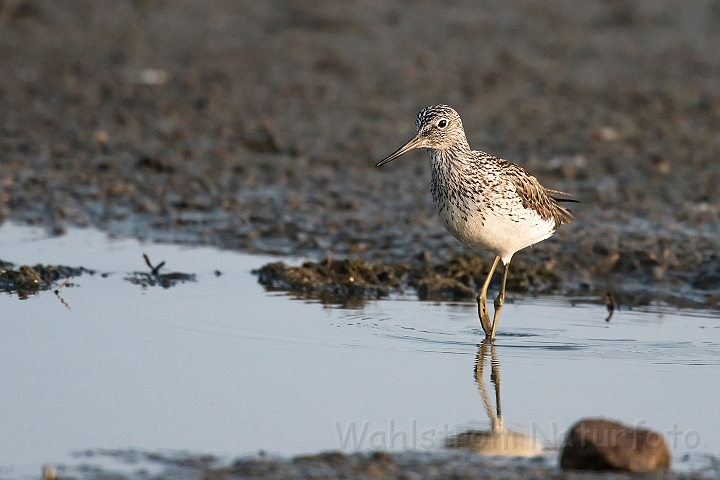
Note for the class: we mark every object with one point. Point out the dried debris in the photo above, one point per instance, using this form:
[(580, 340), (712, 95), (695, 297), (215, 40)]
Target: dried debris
[(154, 278)]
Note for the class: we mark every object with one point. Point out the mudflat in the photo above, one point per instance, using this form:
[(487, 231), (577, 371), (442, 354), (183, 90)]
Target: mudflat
[(256, 125)]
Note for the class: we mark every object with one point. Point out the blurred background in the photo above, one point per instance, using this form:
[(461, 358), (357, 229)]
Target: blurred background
[(256, 125)]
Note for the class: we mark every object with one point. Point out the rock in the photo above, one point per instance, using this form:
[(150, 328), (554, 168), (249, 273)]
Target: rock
[(600, 444)]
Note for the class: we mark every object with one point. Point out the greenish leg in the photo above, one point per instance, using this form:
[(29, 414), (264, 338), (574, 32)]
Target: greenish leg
[(482, 302), (499, 300)]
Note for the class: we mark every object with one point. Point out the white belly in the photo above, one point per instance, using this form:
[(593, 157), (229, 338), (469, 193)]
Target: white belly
[(502, 232)]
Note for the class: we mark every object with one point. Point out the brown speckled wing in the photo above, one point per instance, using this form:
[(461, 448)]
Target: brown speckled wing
[(535, 196)]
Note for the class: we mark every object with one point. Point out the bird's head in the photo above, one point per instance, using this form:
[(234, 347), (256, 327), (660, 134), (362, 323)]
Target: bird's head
[(438, 128)]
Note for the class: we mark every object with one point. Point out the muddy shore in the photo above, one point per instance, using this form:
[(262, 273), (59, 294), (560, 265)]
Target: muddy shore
[(256, 125), (335, 464)]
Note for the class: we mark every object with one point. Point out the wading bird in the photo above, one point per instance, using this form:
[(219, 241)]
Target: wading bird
[(483, 201)]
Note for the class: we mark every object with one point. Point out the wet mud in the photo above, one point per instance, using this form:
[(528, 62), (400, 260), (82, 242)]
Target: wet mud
[(352, 281), (28, 280), (336, 464), (256, 125)]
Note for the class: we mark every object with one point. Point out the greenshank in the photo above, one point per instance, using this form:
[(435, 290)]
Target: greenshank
[(483, 201)]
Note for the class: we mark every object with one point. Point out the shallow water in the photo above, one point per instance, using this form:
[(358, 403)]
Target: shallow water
[(221, 366)]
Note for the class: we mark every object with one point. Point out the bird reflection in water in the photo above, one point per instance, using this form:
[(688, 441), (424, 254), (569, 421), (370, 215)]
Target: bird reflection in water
[(497, 441)]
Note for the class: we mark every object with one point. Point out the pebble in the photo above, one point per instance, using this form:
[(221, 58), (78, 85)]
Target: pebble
[(600, 444)]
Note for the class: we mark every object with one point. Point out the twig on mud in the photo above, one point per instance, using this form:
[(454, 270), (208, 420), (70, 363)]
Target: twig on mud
[(65, 282), (156, 269), (166, 280), (62, 300), (610, 303), (57, 292)]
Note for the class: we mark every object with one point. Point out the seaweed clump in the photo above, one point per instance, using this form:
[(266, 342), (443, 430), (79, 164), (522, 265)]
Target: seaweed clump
[(27, 280), (352, 281), (349, 282)]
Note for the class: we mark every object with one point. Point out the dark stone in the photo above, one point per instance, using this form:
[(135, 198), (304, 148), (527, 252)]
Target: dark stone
[(600, 444)]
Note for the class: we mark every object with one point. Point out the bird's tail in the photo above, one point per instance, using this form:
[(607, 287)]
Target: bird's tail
[(561, 214), (557, 195)]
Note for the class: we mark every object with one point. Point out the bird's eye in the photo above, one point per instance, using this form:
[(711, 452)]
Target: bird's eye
[(442, 123)]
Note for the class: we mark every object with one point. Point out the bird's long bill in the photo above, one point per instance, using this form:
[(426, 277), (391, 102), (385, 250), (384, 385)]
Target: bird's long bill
[(415, 142)]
